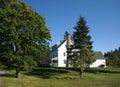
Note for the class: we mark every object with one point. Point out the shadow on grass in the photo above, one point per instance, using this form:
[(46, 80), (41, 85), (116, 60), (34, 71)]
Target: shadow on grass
[(46, 72), (102, 70), (9, 75), (3, 74), (96, 70)]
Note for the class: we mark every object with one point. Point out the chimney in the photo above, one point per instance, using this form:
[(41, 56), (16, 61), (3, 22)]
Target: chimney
[(68, 40)]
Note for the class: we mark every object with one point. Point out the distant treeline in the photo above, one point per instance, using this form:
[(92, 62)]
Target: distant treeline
[(113, 57)]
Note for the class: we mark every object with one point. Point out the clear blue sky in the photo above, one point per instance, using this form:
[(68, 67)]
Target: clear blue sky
[(102, 16)]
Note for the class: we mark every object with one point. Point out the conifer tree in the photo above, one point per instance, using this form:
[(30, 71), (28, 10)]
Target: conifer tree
[(83, 44), (113, 58)]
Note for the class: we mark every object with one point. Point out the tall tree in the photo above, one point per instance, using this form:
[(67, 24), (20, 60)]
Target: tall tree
[(113, 58), (83, 44), (23, 35)]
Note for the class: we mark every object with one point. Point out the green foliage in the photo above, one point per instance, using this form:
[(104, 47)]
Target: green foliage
[(23, 34), (43, 58), (82, 47), (82, 43), (113, 57), (80, 36)]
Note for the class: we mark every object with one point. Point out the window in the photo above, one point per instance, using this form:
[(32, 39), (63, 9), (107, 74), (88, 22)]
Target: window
[(65, 61), (64, 54), (55, 61)]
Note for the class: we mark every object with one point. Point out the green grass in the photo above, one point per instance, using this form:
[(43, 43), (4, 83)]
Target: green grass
[(61, 77)]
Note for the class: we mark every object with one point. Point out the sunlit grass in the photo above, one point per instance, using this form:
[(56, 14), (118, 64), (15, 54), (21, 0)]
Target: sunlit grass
[(54, 77)]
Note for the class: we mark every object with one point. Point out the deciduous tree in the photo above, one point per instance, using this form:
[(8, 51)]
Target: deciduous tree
[(23, 35)]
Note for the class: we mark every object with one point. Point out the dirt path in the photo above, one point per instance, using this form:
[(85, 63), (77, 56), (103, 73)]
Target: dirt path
[(1, 74)]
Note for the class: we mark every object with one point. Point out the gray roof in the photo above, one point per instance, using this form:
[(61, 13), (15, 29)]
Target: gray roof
[(98, 55), (56, 46)]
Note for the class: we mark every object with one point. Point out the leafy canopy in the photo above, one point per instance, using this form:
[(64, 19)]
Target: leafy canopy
[(23, 34)]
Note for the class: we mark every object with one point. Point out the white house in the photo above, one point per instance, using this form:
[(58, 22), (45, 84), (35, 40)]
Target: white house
[(58, 52), (58, 55), (99, 60)]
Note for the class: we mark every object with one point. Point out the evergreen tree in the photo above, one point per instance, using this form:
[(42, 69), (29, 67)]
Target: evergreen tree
[(83, 43), (113, 58), (23, 35)]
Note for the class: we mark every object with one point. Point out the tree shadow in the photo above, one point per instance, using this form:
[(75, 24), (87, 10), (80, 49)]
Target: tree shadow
[(3, 74), (95, 70), (102, 70), (9, 75), (46, 72)]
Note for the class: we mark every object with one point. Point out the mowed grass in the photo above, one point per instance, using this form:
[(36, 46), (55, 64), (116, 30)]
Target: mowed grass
[(62, 77)]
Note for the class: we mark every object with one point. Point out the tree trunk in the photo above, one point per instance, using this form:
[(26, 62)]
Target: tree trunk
[(81, 72), (17, 72)]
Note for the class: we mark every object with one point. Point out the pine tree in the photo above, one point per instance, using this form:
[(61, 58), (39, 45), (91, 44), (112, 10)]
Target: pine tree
[(83, 43)]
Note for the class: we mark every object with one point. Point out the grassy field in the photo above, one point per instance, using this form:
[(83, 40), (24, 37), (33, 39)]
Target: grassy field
[(54, 77)]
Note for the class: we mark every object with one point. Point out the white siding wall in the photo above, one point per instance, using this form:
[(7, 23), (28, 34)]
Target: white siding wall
[(98, 62), (61, 57)]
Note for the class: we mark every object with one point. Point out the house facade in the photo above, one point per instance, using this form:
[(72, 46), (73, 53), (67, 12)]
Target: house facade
[(58, 55), (58, 52)]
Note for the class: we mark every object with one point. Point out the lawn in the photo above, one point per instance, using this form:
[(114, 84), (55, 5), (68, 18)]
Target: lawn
[(61, 77)]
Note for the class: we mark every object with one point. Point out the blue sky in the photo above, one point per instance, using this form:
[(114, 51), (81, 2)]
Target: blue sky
[(102, 16)]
